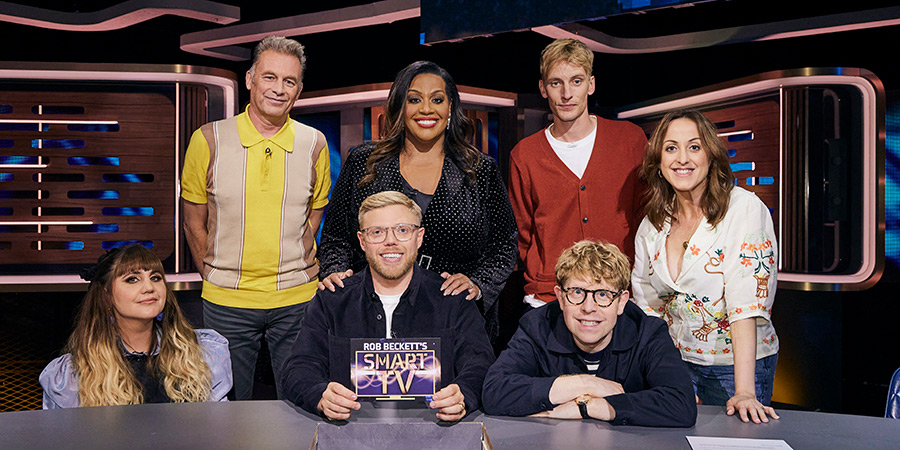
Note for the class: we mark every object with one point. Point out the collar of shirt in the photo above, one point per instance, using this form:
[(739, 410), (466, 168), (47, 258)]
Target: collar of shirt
[(284, 138), (408, 295), (599, 359), (561, 340)]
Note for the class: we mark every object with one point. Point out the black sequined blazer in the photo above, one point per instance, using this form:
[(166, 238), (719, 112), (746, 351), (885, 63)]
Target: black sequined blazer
[(469, 227)]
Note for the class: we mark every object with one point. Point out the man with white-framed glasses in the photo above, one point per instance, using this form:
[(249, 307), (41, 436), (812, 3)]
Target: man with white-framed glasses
[(392, 298), (592, 354)]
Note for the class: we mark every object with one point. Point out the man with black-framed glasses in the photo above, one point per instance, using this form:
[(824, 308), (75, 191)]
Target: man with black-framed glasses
[(592, 354)]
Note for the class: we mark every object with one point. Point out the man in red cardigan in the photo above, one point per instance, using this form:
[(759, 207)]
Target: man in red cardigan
[(577, 179)]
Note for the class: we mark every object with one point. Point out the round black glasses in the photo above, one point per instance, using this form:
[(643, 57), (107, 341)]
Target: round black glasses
[(602, 297)]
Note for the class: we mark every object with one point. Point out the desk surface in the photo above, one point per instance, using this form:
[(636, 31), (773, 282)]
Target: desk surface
[(276, 424)]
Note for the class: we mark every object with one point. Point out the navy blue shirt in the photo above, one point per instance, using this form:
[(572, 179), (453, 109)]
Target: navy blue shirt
[(322, 351), (642, 358)]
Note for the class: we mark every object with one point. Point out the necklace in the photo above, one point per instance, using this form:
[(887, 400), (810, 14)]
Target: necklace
[(129, 348), (690, 229), (684, 244)]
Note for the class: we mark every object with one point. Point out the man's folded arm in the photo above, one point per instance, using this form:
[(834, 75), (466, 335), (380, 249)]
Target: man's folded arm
[(668, 400), (514, 385)]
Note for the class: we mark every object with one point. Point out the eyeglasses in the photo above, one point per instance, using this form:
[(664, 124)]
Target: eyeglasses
[(577, 295), (402, 232)]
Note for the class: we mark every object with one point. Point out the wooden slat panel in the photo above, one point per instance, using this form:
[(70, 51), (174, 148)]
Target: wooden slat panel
[(762, 119), (193, 115), (376, 119), (144, 144), (479, 118)]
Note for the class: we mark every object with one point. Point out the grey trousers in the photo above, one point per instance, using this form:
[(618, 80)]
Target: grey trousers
[(244, 328)]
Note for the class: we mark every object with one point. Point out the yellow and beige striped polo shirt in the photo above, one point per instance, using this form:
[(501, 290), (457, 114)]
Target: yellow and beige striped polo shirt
[(259, 193)]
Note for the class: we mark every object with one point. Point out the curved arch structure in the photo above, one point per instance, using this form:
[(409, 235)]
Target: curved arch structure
[(810, 26), (120, 16), (222, 42)]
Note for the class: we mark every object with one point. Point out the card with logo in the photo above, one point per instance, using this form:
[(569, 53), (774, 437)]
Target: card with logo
[(395, 369)]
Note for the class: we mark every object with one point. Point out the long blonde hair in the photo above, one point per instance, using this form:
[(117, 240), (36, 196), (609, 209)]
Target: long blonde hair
[(104, 376)]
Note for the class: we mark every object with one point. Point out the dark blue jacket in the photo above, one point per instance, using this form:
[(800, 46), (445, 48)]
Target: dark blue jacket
[(658, 389), (322, 351)]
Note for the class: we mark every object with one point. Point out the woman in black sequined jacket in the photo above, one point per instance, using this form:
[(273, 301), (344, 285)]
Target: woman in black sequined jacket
[(470, 230)]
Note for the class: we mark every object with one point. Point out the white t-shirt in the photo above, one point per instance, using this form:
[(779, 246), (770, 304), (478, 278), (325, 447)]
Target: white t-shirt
[(575, 155), (389, 302), (533, 302)]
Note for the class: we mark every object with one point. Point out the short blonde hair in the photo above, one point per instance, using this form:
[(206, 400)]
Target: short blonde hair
[(596, 261), (389, 198), (568, 50)]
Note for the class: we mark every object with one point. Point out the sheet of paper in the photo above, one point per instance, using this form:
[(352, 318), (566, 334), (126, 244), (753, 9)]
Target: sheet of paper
[(720, 443)]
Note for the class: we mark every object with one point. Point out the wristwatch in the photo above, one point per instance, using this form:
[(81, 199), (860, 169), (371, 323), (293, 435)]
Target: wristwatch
[(582, 401)]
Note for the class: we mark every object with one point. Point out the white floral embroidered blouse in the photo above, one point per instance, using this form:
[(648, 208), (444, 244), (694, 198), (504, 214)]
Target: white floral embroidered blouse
[(728, 273)]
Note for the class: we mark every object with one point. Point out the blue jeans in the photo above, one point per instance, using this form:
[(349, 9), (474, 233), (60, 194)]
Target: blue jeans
[(244, 328), (715, 384)]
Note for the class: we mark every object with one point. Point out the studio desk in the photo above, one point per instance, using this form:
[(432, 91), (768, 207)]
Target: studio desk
[(278, 424)]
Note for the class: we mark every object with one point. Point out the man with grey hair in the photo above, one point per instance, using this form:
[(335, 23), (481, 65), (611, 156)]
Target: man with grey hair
[(253, 188)]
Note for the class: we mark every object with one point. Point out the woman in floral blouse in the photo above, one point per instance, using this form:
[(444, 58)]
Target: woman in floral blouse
[(706, 260)]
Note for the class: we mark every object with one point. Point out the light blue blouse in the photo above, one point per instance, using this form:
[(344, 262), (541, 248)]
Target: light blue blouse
[(60, 382)]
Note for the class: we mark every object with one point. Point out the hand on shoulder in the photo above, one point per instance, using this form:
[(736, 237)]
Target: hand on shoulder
[(458, 283), (334, 279)]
